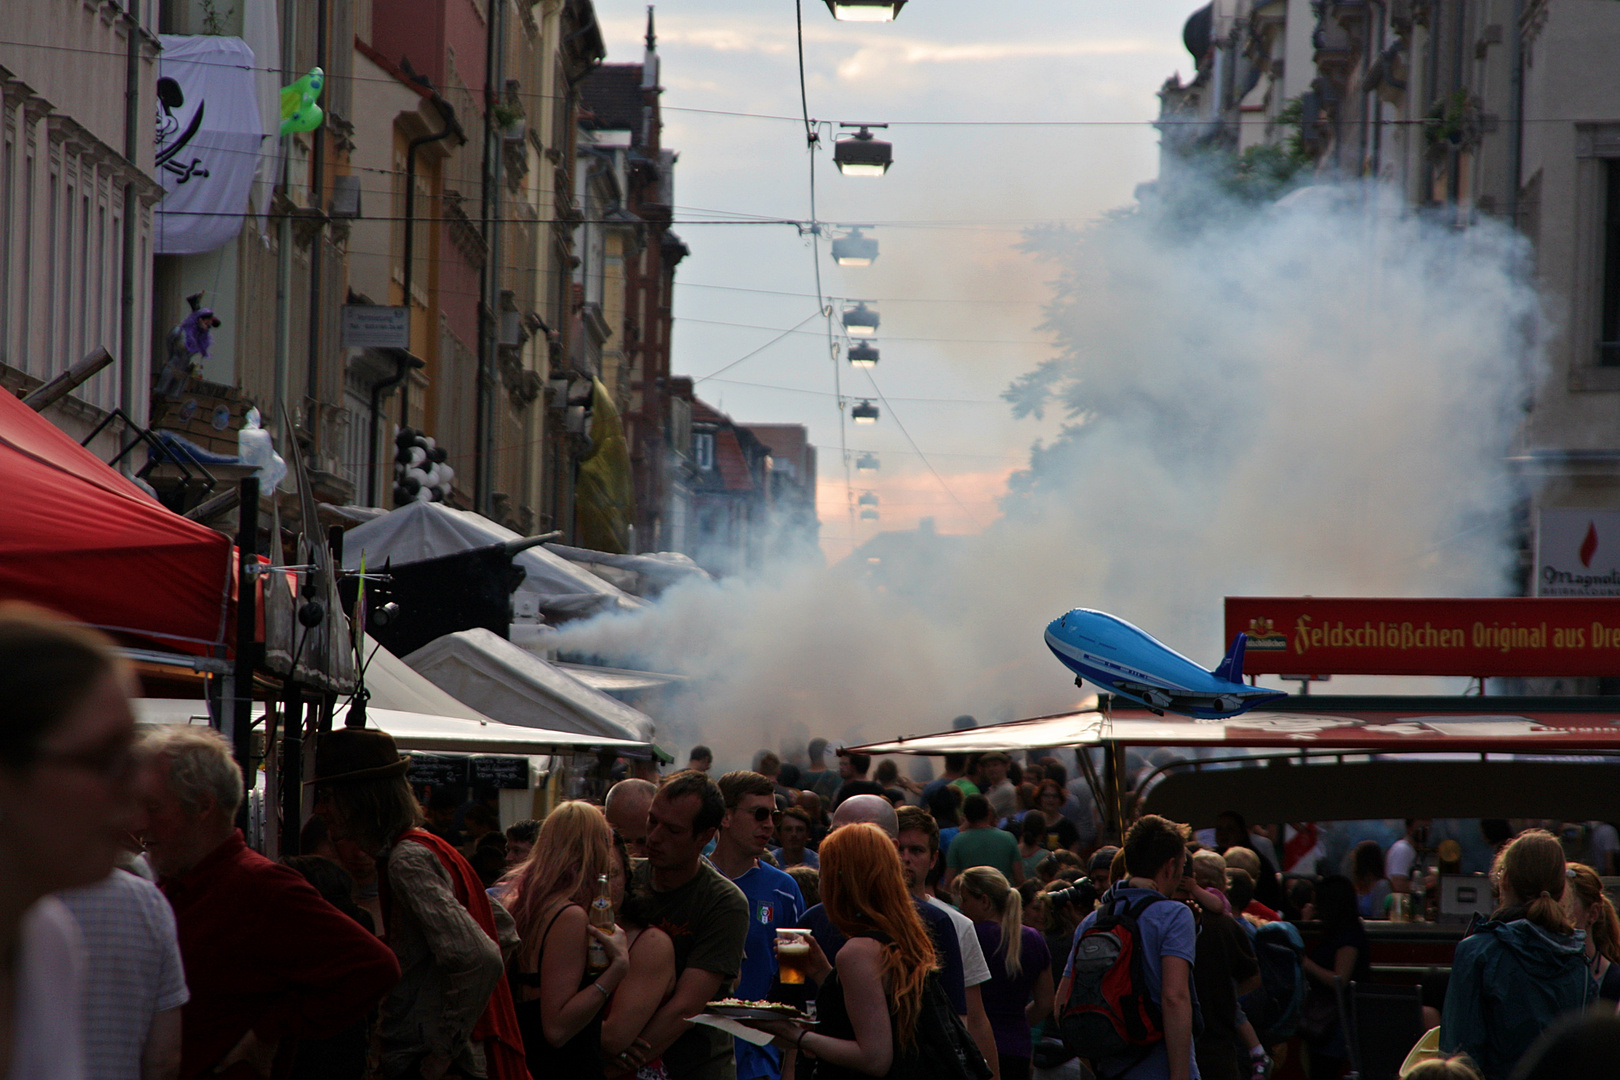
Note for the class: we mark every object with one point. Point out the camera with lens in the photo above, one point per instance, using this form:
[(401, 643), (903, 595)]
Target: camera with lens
[(1082, 892)]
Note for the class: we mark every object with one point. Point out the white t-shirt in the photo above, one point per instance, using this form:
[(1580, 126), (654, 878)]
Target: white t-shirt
[(48, 1027), (1399, 859), (974, 969), (129, 933)]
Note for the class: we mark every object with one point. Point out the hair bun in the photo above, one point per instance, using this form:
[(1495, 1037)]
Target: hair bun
[(1545, 895)]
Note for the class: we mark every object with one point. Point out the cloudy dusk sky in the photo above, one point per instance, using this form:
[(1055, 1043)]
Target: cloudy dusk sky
[(960, 304)]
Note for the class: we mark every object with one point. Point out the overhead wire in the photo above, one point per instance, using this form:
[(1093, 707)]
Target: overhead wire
[(812, 140)]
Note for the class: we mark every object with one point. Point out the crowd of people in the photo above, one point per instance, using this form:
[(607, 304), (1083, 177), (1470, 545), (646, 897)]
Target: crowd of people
[(953, 927)]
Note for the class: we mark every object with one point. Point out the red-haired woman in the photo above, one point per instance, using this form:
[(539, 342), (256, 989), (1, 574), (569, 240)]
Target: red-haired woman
[(559, 1001), (870, 1003), (1592, 912)]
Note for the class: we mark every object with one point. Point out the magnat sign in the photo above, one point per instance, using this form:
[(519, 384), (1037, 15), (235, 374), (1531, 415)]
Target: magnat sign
[(1305, 635)]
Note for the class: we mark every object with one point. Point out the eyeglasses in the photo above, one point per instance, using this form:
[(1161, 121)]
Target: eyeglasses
[(765, 813)]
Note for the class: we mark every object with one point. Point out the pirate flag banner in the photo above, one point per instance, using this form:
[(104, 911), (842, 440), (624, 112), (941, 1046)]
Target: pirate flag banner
[(208, 135)]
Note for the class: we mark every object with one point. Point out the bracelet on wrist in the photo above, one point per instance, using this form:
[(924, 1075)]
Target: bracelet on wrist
[(606, 993)]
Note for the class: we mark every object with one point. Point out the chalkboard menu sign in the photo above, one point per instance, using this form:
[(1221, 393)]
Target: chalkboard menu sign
[(511, 773), (438, 771), (458, 772)]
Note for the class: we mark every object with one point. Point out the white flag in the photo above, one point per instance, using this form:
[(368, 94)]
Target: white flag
[(208, 135)]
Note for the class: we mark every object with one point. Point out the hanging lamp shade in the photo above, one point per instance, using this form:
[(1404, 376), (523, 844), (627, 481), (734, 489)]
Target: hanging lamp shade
[(863, 354), (854, 249), (869, 514), (862, 155), (861, 320), (867, 498), (866, 463), (864, 413), (865, 10)]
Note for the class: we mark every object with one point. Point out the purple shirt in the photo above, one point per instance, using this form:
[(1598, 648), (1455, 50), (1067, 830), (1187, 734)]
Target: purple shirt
[(1005, 996)]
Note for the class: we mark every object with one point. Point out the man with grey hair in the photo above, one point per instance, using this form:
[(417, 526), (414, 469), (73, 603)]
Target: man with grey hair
[(268, 960), (626, 809)]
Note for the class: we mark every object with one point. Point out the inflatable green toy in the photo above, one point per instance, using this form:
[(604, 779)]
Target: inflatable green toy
[(298, 109)]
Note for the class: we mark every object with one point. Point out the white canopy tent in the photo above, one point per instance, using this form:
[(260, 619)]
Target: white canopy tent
[(617, 681), (420, 731), (1085, 727), (424, 530), (517, 687), (393, 684)]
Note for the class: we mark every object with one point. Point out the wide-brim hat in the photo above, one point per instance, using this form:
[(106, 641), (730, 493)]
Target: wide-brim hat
[(352, 754)]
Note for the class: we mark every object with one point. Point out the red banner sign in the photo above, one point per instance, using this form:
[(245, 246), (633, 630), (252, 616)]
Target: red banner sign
[(1293, 635)]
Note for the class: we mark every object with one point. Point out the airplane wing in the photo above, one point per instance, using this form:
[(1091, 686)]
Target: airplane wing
[(1158, 699)]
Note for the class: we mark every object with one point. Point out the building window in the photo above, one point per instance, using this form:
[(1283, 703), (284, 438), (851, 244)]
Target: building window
[(1609, 328), (703, 450)]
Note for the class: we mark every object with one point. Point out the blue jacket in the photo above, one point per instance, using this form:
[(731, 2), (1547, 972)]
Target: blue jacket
[(1509, 981)]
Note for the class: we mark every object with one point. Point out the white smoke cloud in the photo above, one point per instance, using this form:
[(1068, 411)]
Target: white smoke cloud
[(1309, 398)]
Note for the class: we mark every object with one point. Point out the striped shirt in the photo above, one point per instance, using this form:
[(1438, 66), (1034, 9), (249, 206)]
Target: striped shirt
[(136, 973)]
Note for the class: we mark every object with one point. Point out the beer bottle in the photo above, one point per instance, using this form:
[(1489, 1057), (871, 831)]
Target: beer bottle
[(601, 917)]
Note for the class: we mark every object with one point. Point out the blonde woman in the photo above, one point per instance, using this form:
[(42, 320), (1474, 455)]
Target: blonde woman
[(560, 1002), (1019, 993)]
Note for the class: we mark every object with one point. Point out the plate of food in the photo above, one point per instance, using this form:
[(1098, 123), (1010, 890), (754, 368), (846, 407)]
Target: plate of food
[(738, 1009)]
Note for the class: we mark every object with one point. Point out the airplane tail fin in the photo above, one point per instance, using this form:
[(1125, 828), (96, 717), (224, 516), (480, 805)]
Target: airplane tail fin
[(1231, 668)]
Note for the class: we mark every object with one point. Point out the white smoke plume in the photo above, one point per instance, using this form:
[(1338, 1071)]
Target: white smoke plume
[(1308, 398)]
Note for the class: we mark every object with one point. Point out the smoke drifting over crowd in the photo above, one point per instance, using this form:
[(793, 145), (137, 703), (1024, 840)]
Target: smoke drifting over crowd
[(1310, 397)]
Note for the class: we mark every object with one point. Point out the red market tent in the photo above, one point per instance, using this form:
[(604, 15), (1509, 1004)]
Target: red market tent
[(78, 537)]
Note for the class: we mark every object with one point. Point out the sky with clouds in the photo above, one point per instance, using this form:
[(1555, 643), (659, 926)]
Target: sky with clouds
[(966, 88)]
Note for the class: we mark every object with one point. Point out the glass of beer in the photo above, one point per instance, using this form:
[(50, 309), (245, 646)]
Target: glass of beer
[(792, 965)]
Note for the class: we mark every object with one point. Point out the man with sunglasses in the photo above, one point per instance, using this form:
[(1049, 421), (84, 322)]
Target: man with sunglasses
[(773, 899)]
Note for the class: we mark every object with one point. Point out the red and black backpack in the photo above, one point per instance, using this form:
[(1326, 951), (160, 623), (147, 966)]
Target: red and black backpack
[(1110, 1010)]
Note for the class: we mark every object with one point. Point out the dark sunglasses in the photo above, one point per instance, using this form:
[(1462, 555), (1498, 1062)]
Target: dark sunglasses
[(765, 813)]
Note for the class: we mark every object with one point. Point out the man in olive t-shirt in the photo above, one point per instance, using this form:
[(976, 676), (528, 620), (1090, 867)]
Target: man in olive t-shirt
[(705, 916)]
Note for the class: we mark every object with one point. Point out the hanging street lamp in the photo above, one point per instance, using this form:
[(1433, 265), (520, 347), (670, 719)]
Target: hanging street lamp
[(865, 10), (864, 413), (866, 463), (863, 354), (854, 249), (860, 320), (860, 154)]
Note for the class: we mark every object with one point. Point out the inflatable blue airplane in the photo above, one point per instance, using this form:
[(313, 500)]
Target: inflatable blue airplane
[(1127, 660)]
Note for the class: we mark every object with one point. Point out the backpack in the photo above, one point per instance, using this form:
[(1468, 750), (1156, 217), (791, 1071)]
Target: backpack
[(1110, 1010), (1276, 1007), (943, 1049)]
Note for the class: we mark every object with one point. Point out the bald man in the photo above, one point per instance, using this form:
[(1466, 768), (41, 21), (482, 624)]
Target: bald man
[(876, 810), (626, 809), (870, 809)]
